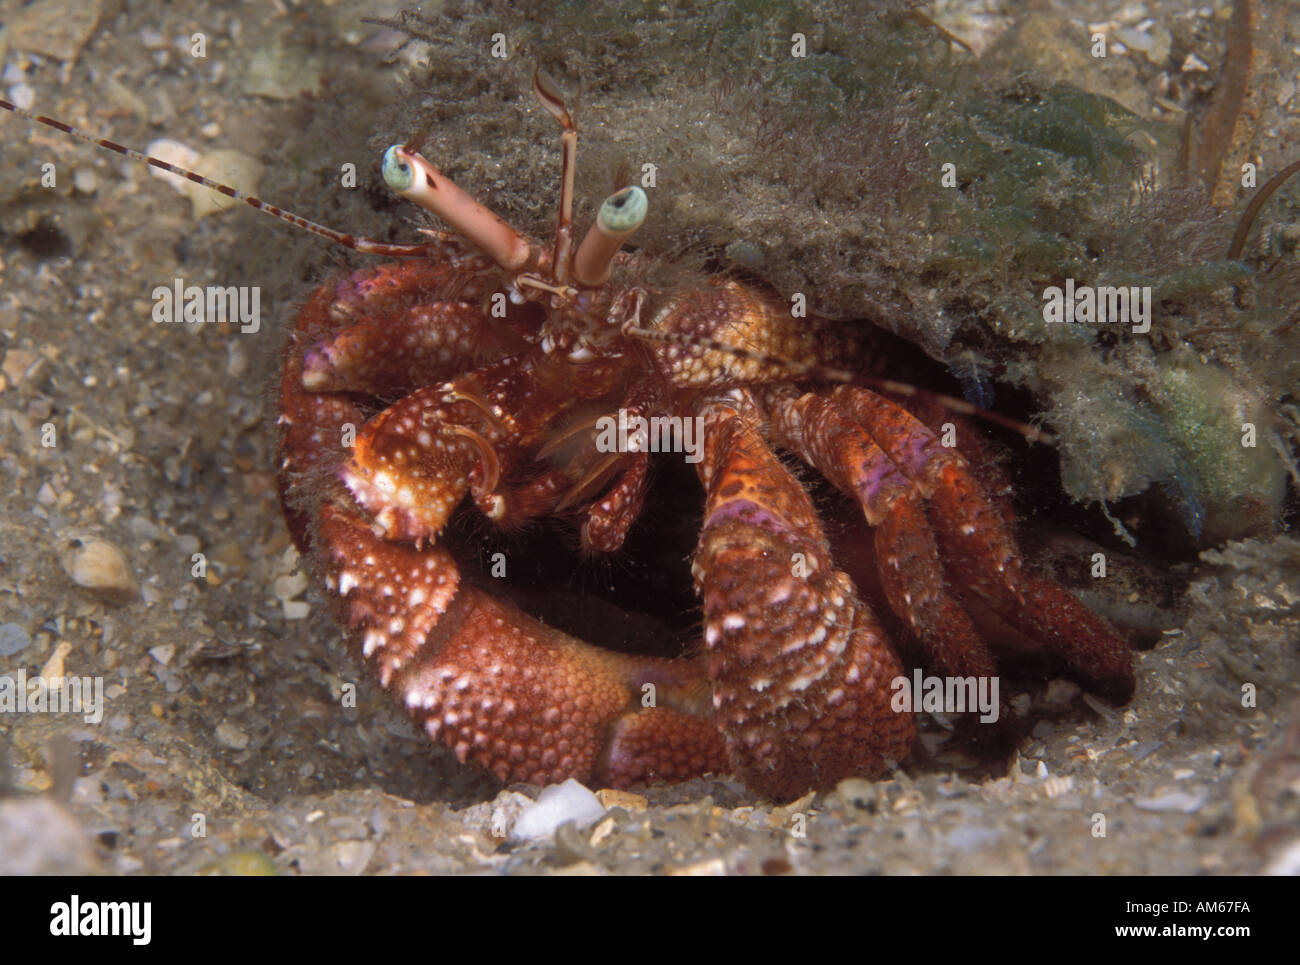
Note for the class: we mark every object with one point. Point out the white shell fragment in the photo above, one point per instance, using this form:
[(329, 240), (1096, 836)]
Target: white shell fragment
[(99, 565), (234, 168), (557, 805)]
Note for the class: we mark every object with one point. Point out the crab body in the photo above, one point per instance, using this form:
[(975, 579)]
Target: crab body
[(475, 370)]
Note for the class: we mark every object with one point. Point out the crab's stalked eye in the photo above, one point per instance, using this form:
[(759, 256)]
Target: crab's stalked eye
[(620, 215), (623, 211), (411, 176), (397, 172)]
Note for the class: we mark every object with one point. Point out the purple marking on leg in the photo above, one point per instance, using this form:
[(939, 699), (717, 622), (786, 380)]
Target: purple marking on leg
[(917, 452), (318, 364), (749, 512), (874, 487)]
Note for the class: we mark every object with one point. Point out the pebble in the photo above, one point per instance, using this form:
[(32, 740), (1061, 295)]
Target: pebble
[(163, 654), (240, 171), (1061, 693), (38, 836), (1056, 785), (711, 868), (603, 831), (242, 864), (970, 837), (1180, 801), (13, 638), (1286, 861), (57, 29), (296, 609), (556, 805), (614, 798), (232, 736), (23, 95), (353, 856), (54, 668), (99, 565), (289, 586), (857, 793), (571, 847), (19, 364)]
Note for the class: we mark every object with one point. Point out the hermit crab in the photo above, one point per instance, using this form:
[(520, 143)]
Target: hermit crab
[(468, 369), (534, 380)]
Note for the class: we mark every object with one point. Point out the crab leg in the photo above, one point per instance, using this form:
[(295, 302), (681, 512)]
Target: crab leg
[(800, 667), (877, 451), (610, 518), (502, 690), (908, 559)]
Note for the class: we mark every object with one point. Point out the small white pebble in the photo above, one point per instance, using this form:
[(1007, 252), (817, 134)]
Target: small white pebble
[(296, 609), (557, 805), (23, 96), (164, 653), (99, 565), (232, 736)]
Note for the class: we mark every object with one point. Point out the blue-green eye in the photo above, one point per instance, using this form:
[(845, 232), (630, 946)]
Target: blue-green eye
[(397, 173), (623, 211)]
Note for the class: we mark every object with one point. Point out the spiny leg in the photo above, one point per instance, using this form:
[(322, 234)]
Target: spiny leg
[(502, 690), (979, 551), (907, 556), (1051, 615), (801, 669)]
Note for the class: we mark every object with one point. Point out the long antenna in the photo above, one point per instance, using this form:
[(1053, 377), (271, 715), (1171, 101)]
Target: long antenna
[(367, 245), (796, 369)]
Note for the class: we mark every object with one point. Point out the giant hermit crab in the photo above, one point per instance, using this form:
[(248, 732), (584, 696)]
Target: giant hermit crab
[(477, 365), (494, 348)]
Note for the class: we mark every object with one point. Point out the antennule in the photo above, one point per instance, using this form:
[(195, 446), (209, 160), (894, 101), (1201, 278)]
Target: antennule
[(548, 93)]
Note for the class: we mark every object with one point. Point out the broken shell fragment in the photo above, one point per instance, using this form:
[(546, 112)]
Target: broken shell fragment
[(99, 565)]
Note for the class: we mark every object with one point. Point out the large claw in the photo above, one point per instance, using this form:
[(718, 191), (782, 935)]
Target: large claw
[(502, 690)]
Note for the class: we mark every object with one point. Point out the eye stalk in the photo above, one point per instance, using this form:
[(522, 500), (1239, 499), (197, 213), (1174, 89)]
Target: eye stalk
[(398, 175), (411, 176), (621, 214)]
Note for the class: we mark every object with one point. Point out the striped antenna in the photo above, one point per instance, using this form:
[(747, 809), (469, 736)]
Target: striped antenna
[(367, 245)]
